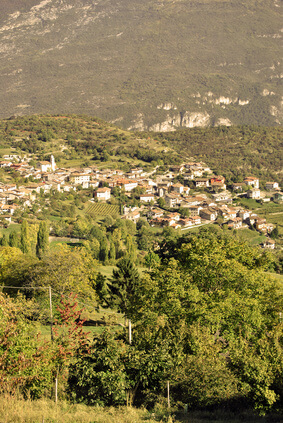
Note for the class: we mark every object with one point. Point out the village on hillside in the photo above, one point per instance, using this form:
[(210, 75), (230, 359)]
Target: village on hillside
[(161, 200)]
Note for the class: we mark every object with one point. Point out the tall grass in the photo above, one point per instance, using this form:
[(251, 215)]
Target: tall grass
[(13, 410)]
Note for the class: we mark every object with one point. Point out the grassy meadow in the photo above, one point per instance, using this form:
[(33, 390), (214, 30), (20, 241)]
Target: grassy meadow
[(43, 411), (13, 410)]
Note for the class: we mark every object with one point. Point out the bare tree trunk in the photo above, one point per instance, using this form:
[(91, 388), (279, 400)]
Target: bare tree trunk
[(130, 395), (130, 332), (56, 386)]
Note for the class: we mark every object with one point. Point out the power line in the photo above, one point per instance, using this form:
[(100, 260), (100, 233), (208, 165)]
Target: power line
[(24, 287), (57, 294)]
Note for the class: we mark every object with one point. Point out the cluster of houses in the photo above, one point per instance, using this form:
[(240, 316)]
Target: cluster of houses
[(212, 202)]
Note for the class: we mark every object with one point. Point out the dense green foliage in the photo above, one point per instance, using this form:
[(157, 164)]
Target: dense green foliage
[(232, 151), (206, 317), (235, 152), (208, 321), (79, 139)]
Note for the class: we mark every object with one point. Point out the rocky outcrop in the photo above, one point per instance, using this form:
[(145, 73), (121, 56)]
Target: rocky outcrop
[(190, 120), (171, 123), (166, 106), (223, 122)]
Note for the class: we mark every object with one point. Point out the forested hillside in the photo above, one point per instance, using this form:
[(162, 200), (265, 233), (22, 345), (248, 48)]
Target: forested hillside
[(232, 151), (79, 139)]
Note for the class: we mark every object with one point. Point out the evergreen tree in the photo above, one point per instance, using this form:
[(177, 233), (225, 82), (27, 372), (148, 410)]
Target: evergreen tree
[(112, 253), (4, 241), (101, 289), (131, 249), (275, 233), (117, 240), (13, 239), (25, 244), (122, 289), (123, 285), (104, 250), (95, 247), (42, 239)]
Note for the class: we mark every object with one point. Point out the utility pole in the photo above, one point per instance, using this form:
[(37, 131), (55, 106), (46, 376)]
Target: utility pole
[(51, 314), (52, 339)]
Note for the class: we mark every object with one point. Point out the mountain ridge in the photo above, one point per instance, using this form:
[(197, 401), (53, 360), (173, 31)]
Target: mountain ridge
[(150, 66)]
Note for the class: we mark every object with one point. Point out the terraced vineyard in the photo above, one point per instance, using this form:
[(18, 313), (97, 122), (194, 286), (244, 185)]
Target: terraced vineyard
[(103, 209)]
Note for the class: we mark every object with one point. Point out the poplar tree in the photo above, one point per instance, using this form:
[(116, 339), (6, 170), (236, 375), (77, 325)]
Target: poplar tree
[(13, 239), (131, 249), (104, 250), (25, 244), (112, 253), (4, 241), (42, 239)]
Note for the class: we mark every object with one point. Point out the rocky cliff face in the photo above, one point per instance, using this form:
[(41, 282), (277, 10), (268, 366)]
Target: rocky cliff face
[(185, 120), (190, 119), (144, 65)]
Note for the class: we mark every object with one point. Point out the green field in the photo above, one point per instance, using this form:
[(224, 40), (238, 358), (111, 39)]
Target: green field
[(108, 270), (103, 318), (4, 151), (259, 208), (102, 209), (12, 227), (277, 219), (252, 237)]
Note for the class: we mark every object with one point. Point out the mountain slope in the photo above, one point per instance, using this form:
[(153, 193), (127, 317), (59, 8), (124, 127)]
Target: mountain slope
[(143, 64)]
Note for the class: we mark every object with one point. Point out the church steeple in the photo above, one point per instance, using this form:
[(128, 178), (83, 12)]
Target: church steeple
[(53, 164)]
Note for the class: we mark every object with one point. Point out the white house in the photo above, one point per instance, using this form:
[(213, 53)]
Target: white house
[(208, 214), (5, 163), (44, 166), (103, 194), (196, 220), (244, 214), (172, 199), (79, 178), (253, 193), (201, 182), (223, 196), (134, 216), (268, 243), (180, 189), (252, 181), (271, 185), (147, 198)]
